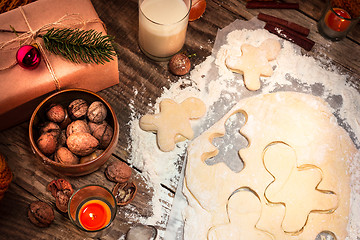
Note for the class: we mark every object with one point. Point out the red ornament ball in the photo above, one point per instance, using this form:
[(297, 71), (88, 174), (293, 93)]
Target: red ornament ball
[(28, 57)]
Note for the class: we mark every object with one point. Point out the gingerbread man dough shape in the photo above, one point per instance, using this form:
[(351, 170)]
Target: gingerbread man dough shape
[(296, 187), (172, 124), (244, 209), (254, 62)]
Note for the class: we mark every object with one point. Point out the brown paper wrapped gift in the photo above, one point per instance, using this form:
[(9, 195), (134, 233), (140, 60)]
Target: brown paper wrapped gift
[(22, 89)]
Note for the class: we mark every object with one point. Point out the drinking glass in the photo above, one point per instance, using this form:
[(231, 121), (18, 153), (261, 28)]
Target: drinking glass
[(162, 27)]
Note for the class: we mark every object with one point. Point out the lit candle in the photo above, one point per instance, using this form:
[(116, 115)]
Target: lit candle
[(94, 215), (338, 22)]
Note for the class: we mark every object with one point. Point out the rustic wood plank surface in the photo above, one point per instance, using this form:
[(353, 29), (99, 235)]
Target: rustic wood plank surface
[(139, 74)]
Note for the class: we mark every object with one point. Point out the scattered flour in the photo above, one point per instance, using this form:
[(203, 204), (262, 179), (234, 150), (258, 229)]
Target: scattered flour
[(220, 89)]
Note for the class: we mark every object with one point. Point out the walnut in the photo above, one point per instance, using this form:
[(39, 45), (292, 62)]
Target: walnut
[(41, 214), (62, 139), (47, 143), (50, 127), (97, 112), (103, 132), (179, 64), (66, 122), (118, 171), (81, 143), (93, 126), (65, 156), (62, 191), (77, 126), (56, 113), (78, 109)]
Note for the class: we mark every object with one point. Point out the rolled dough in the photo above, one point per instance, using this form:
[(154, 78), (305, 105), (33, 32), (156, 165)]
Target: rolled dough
[(299, 120)]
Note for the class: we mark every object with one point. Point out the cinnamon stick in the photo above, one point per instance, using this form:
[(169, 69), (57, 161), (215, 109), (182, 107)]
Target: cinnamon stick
[(293, 26), (290, 35), (273, 4)]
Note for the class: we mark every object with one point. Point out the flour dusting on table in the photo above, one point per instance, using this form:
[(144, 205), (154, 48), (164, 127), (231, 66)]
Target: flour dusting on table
[(220, 89)]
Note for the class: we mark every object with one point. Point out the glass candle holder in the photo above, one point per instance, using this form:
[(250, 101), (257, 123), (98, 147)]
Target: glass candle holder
[(338, 18), (92, 209), (162, 27)]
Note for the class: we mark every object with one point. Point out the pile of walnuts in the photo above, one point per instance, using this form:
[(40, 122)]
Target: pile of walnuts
[(75, 134)]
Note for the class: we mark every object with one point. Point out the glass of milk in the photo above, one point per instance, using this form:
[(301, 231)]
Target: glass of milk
[(162, 27)]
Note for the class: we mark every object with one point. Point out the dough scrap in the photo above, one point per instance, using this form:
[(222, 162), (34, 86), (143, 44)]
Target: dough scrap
[(295, 187), (300, 120), (254, 62), (172, 124)]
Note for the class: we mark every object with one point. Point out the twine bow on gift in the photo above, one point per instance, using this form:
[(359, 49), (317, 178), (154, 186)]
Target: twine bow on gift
[(32, 36)]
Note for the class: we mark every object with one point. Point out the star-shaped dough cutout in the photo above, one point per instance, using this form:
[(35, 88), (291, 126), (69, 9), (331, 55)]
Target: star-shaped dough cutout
[(172, 124), (295, 187), (254, 62)]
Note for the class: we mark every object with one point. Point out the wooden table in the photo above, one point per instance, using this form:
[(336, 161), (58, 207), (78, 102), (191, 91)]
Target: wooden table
[(139, 73)]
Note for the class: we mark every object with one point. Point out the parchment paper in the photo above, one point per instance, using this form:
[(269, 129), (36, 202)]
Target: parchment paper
[(174, 230)]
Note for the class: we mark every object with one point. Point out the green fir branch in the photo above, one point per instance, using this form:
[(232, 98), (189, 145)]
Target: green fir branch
[(79, 45)]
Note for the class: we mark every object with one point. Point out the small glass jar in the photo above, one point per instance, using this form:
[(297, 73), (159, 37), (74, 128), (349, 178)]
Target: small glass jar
[(338, 18), (92, 209)]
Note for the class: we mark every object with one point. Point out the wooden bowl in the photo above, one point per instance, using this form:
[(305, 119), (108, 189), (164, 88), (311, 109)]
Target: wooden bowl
[(65, 97)]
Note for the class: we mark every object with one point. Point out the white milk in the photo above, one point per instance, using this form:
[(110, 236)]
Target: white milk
[(162, 26)]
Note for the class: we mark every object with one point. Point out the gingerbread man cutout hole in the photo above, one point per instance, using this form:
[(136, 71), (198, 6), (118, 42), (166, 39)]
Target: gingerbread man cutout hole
[(254, 62), (295, 187), (230, 143), (172, 124), (244, 210)]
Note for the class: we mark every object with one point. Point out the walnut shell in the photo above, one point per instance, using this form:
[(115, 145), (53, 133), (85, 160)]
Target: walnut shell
[(124, 193), (78, 109), (56, 113), (77, 126), (41, 214), (62, 191), (81, 143), (118, 171), (97, 112), (60, 185), (103, 132), (62, 201), (65, 156), (47, 143)]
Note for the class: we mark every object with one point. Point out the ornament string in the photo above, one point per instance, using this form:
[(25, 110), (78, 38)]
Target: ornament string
[(26, 38), (46, 60)]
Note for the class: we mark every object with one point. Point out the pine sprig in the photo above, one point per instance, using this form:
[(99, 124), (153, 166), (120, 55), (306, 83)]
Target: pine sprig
[(79, 45)]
